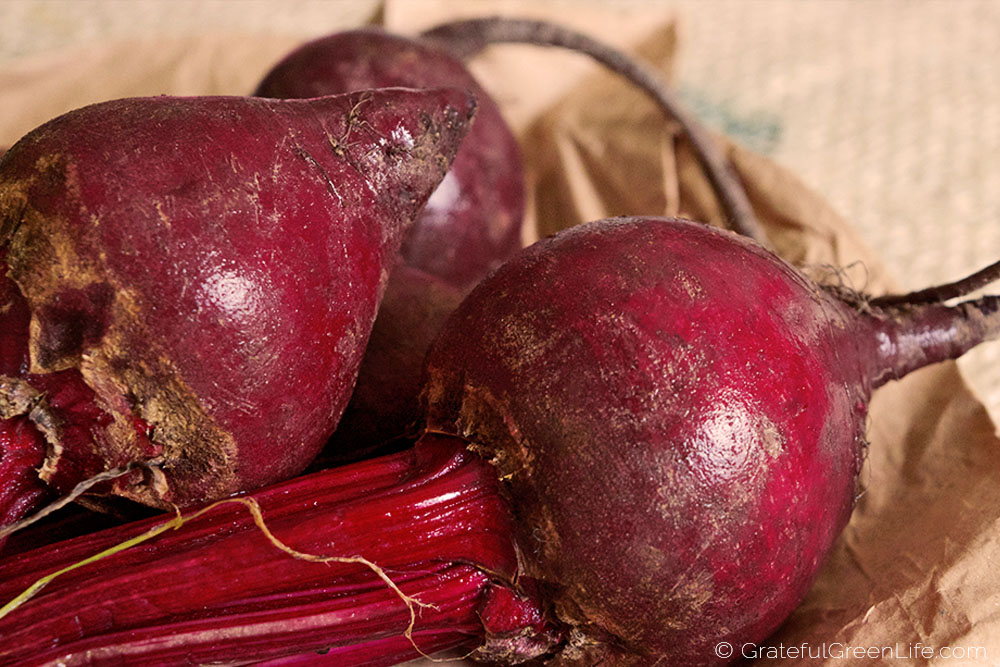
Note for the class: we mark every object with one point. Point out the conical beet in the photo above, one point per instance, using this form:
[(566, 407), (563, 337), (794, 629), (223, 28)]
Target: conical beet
[(472, 222), (205, 273)]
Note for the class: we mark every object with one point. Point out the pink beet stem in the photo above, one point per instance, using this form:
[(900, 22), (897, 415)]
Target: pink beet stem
[(216, 589), (465, 38)]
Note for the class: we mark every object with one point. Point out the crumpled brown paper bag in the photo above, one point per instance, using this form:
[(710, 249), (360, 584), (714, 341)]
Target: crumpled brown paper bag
[(912, 581)]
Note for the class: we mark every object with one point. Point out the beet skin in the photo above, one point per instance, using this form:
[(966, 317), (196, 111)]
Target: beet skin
[(210, 268)]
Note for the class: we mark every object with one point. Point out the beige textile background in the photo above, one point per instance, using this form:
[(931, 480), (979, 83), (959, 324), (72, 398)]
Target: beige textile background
[(889, 109)]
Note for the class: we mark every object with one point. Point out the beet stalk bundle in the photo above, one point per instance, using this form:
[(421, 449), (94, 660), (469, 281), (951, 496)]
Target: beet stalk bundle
[(242, 598), (643, 436), (188, 284)]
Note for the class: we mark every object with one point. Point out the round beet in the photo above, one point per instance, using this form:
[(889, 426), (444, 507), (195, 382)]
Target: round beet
[(678, 418), (204, 272), (472, 222)]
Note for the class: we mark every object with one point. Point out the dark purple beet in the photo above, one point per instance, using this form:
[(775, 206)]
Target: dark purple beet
[(472, 222), (678, 417)]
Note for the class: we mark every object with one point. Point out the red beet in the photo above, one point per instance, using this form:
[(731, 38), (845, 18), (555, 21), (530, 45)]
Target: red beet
[(472, 222), (680, 417), (201, 275), (676, 420)]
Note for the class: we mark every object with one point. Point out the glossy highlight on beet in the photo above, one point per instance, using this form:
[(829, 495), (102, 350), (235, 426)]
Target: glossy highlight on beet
[(207, 271)]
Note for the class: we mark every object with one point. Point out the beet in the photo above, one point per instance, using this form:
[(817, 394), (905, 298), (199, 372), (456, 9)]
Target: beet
[(669, 423), (201, 276), (472, 222), (727, 389), (680, 417)]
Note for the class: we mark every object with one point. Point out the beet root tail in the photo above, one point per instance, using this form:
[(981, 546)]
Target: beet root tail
[(465, 38)]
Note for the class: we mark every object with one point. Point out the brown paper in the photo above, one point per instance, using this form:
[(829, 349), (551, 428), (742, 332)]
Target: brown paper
[(912, 581)]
